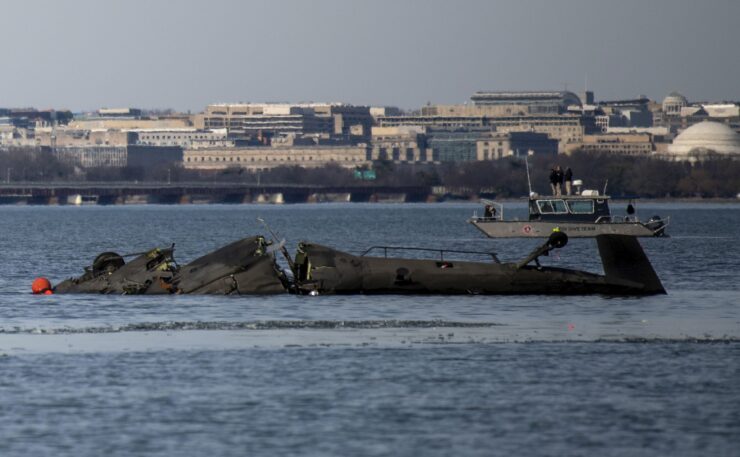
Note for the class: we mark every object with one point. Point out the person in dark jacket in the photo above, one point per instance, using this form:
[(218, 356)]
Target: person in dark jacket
[(554, 180), (568, 177)]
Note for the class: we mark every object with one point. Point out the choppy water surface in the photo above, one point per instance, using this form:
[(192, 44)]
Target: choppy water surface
[(390, 375)]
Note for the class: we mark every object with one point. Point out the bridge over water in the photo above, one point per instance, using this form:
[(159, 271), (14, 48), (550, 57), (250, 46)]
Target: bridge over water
[(202, 192)]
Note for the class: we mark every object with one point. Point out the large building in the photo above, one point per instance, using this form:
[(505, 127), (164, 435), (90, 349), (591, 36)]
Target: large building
[(567, 129), (30, 118), (266, 157), (497, 145), (632, 144), (538, 102), (128, 123), (477, 145), (110, 148), (678, 114), (400, 144), (625, 113), (72, 137), (476, 110), (93, 156), (283, 118), (118, 156), (184, 138)]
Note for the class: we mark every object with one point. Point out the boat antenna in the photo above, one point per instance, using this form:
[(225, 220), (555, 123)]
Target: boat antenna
[(606, 183), (283, 250), (529, 180)]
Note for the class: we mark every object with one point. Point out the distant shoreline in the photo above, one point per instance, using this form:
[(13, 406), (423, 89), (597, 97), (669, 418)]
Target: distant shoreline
[(616, 200)]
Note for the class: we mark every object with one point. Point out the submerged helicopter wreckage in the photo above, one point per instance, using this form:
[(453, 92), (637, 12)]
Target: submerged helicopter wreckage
[(249, 266)]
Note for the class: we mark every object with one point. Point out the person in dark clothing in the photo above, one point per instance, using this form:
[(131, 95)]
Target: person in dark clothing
[(630, 212), (568, 177), (554, 181)]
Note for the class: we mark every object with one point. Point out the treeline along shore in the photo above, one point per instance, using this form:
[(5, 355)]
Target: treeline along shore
[(39, 178)]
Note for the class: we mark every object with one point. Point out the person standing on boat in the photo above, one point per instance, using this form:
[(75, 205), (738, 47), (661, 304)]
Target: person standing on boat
[(554, 181), (568, 180)]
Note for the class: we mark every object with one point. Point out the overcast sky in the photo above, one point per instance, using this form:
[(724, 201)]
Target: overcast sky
[(185, 54)]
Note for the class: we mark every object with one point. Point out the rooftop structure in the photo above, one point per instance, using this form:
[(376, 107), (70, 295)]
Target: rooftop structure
[(128, 123), (119, 112), (540, 102), (673, 103), (722, 110)]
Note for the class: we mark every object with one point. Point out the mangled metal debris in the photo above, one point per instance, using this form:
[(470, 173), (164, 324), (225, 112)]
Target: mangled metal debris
[(249, 266), (246, 266)]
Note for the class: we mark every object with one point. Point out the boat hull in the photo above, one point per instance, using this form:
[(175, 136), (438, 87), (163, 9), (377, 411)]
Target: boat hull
[(540, 229)]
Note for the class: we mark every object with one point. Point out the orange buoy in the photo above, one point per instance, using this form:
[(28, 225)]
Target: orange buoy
[(41, 286)]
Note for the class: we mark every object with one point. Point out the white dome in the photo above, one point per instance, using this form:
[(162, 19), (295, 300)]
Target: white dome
[(706, 136), (673, 103), (675, 98)]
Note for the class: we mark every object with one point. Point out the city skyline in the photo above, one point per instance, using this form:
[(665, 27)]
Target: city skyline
[(84, 55)]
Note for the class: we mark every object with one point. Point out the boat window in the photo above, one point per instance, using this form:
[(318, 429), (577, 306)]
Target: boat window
[(552, 207), (581, 206)]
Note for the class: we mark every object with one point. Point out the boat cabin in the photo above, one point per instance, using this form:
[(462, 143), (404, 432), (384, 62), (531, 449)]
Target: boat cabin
[(569, 208)]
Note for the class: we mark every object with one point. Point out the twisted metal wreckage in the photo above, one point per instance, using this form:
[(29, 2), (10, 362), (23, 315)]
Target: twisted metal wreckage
[(249, 266)]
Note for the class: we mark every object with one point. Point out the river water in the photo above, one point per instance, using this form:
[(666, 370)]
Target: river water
[(362, 375)]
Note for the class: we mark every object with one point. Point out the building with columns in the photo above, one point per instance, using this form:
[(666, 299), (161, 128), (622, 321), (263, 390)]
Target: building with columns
[(265, 157)]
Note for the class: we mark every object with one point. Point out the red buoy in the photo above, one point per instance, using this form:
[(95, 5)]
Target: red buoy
[(41, 286)]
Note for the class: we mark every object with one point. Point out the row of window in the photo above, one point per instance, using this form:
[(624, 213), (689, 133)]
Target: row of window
[(265, 159), (177, 143), (562, 207), (176, 137), (618, 147)]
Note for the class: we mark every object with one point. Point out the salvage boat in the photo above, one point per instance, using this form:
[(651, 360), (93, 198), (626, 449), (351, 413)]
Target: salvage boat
[(584, 215)]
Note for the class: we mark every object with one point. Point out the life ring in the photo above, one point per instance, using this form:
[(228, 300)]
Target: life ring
[(527, 229)]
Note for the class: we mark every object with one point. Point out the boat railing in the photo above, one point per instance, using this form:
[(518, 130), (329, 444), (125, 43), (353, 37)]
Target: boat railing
[(612, 219), (441, 252)]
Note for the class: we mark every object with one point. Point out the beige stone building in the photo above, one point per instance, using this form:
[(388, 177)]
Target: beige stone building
[(633, 144), (130, 124), (400, 144), (497, 145), (74, 137), (503, 110), (185, 138), (288, 118), (265, 157), (566, 128)]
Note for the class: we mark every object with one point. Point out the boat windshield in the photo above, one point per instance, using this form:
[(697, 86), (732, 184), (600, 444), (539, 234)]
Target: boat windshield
[(552, 207), (581, 206)]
